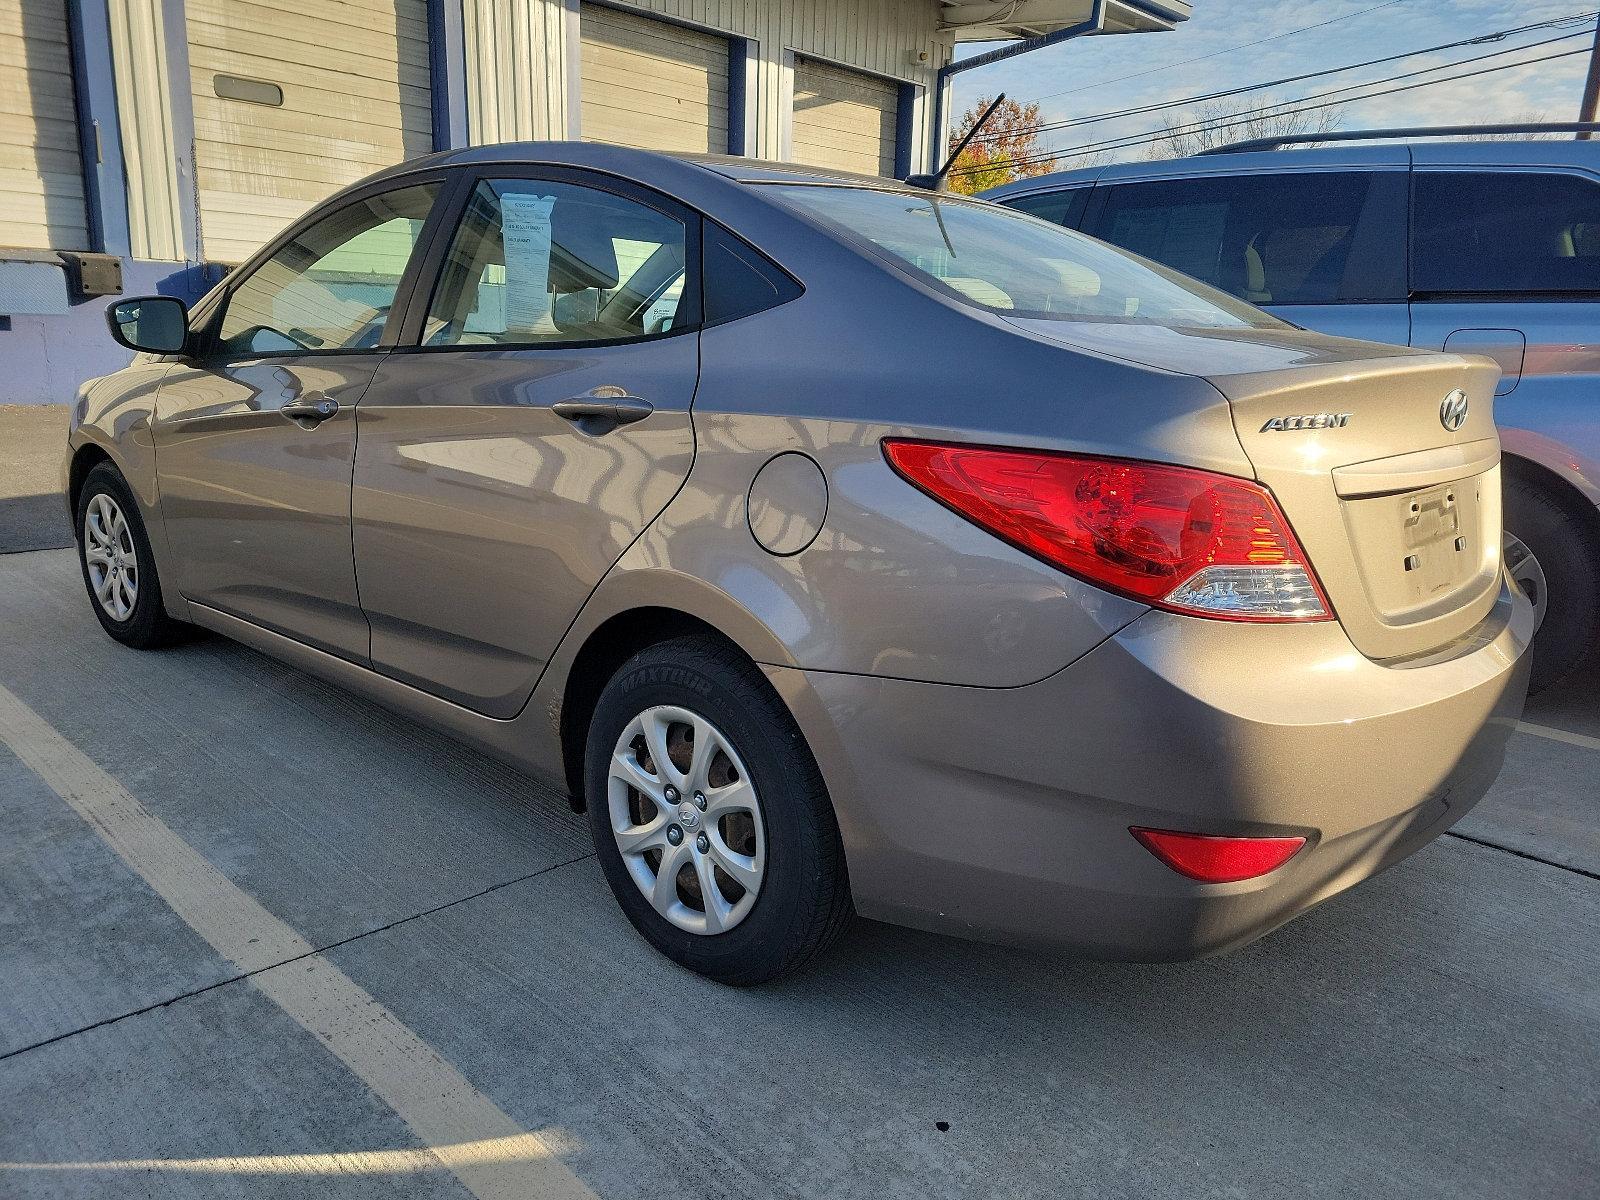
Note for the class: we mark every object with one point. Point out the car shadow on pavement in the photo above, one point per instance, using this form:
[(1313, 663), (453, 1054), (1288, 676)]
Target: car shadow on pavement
[(34, 523)]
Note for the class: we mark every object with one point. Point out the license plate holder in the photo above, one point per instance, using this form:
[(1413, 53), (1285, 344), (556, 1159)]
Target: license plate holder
[(1435, 545)]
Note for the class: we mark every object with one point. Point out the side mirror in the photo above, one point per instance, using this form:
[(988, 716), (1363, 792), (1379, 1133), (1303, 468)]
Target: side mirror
[(150, 324)]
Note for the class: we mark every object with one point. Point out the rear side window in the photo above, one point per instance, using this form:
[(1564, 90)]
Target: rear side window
[(739, 280), (1300, 238), (1506, 231), (539, 262), (1059, 208)]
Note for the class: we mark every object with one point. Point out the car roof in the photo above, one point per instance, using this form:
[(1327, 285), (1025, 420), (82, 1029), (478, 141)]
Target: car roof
[(646, 166), (1520, 152)]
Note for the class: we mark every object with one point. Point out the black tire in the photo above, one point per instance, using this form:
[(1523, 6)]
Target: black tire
[(1569, 555), (803, 899), (147, 625)]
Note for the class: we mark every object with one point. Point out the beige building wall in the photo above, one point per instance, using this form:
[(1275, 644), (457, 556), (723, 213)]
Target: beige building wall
[(511, 98), (41, 170)]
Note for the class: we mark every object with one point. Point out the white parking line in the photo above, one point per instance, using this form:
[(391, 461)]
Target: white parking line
[(462, 1128), (1558, 735)]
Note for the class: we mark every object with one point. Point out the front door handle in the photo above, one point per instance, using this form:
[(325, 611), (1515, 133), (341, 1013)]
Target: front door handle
[(603, 410), (313, 409)]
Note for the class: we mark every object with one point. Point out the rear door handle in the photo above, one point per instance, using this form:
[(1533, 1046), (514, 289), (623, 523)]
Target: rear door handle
[(603, 410), (314, 408)]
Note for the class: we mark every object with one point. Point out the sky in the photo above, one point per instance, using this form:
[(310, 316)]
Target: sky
[(1090, 75)]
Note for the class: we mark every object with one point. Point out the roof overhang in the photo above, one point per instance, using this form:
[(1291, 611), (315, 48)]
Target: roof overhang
[(1004, 20)]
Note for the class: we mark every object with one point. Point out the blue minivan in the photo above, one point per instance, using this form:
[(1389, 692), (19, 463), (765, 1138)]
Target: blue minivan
[(1488, 247)]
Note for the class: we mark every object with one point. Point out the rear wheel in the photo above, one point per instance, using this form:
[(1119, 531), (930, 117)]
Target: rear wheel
[(709, 816), (1555, 559), (118, 567)]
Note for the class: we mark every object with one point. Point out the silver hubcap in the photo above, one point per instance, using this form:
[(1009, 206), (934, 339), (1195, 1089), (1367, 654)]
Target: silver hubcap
[(1525, 569), (687, 820), (113, 563)]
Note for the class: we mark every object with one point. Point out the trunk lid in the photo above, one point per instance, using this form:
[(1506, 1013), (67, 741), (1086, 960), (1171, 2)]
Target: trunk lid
[(1398, 512)]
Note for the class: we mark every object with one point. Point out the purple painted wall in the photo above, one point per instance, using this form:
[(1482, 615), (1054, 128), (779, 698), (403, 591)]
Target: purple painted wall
[(43, 360)]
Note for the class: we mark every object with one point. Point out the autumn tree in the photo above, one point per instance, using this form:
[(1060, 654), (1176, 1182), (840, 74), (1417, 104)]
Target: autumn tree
[(1215, 125), (1006, 149)]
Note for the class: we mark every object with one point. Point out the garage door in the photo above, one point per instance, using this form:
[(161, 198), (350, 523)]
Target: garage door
[(843, 119), (41, 178), (652, 85), (293, 99)]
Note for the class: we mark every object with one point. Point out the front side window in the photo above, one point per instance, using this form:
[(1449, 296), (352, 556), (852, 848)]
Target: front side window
[(1007, 262), (1319, 237), (1506, 231), (536, 262), (332, 285)]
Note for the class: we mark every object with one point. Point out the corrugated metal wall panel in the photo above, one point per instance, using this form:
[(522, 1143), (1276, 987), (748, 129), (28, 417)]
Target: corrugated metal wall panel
[(145, 121), (843, 119), (356, 96), (41, 171), (516, 57), (651, 84), (516, 69)]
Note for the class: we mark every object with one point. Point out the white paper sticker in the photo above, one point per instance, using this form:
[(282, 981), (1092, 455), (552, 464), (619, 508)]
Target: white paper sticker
[(525, 223)]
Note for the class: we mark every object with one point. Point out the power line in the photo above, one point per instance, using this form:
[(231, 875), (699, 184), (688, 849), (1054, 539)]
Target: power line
[(1245, 114), (1214, 54), (1155, 135), (1144, 109)]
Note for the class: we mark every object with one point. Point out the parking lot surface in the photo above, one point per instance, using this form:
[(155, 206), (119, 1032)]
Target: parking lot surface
[(259, 938)]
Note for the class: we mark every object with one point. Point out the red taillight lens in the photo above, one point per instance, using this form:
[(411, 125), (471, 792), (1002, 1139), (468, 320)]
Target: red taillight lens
[(1218, 859), (1178, 538)]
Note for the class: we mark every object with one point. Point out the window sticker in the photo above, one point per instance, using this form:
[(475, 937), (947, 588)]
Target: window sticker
[(525, 226)]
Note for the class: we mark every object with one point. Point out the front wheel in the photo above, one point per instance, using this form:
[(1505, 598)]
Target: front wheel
[(709, 816), (118, 568), (1555, 559)]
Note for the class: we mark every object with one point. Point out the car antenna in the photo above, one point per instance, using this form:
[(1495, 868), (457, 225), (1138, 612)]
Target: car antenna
[(936, 181)]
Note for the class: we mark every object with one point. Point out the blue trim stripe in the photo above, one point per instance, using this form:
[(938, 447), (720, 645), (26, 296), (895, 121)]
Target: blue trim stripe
[(905, 129), (447, 74), (99, 134), (738, 98)]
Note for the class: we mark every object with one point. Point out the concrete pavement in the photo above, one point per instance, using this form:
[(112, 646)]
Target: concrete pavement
[(436, 970)]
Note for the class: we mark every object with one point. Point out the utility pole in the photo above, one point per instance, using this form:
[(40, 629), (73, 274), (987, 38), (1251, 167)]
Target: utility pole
[(1591, 85)]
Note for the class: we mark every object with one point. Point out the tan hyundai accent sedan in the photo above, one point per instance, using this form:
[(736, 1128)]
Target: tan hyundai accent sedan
[(839, 546)]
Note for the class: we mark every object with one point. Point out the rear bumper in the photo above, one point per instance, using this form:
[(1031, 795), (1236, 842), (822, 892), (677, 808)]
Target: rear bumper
[(1003, 814)]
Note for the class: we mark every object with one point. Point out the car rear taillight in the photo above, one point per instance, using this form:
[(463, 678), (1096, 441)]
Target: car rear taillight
[(1218, 859), (1178, 538)]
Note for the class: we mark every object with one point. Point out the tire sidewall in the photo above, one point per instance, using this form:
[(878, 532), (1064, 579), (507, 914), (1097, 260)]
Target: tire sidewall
[(1568, 557), (143, 622), (769, 752)]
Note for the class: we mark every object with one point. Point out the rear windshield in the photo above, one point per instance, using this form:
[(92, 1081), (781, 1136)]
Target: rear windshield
[(1007, 262)]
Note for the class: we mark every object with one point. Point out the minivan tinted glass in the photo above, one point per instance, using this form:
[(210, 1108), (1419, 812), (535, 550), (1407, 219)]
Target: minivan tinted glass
[(1059, 208), (1320, 237), (1506, 231), (993, 258)]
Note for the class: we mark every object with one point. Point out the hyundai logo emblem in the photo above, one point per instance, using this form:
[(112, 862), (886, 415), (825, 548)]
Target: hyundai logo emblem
[(1453, 411)]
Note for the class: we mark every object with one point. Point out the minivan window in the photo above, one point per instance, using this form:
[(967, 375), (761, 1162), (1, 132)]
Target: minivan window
[(993, 258), (331, 286), (536, 262), (1506, 231), (1059, 208), (1319, 237)]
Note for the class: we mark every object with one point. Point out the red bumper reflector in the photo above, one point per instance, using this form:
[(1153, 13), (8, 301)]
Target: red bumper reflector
[(1218, 859)]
